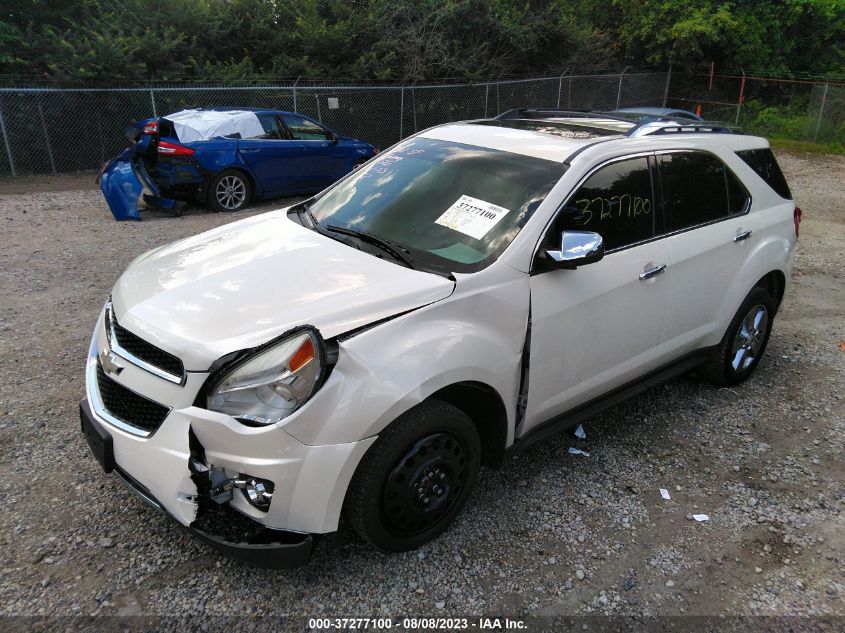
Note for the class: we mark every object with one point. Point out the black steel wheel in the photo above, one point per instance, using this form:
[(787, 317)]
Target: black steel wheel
[(416, 478)]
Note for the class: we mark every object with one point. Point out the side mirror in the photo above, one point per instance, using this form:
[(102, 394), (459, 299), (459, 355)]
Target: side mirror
[(332, 137), (577, 248)]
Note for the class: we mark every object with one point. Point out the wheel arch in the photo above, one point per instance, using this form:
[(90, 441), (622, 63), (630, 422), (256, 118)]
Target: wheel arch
[(485, 407), (775, 282)]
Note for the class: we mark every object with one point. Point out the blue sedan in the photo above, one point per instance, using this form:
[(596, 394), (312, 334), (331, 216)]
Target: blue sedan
[(225, 158), (650, 112)]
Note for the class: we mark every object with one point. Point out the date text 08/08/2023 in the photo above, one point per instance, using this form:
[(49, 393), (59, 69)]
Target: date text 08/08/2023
[(416, 624)]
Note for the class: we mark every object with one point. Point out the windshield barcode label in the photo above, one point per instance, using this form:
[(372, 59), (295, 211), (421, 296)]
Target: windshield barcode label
[(472, 216)]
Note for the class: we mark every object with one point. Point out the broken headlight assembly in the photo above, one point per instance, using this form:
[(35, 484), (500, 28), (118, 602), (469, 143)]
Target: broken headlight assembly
[(271, 384)]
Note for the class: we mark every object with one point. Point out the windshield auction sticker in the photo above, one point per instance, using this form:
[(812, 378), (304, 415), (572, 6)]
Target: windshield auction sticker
[(472, 216)]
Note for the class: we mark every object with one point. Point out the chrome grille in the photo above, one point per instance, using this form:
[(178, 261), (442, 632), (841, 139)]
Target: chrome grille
[(141, 353)]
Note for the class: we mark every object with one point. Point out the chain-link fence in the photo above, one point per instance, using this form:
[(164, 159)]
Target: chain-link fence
[(52, 130), (777, 108)]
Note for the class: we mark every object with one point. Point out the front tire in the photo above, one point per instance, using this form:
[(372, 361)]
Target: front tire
[(743, 345), (416, 478), (230, 190)]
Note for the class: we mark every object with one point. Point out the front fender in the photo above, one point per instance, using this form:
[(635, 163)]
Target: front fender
[(381, 373)]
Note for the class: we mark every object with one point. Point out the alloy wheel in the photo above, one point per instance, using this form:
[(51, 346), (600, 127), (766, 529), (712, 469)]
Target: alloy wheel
[(231, 192), (749, 339)]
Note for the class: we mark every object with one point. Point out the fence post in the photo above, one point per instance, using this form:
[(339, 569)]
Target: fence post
[(486, 98), (319, 112), (821, 111), (6, 143), (153, 102), (294, 93), (741, 95), (498, 101), (100, 139), (619, 91), (402, 114), (559, 88), (47, 138), (414, 106), (666, 88)]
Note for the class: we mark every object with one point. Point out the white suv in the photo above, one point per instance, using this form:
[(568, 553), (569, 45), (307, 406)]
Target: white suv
[(477, 287)]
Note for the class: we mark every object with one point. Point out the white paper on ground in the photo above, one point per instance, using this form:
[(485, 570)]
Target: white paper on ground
[(580, 433), (700, 517), (664, 493), (578, 451), (472, 216)]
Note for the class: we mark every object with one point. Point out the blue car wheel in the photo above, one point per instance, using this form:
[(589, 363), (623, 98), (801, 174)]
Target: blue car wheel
[(230, 190)]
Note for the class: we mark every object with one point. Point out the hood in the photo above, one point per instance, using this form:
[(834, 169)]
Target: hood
[(243, 284)]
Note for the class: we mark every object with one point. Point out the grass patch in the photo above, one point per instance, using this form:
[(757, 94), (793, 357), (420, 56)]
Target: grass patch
[(807, 147)]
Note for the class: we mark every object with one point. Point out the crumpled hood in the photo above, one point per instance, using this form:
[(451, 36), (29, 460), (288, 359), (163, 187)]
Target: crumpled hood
[(243, 284)]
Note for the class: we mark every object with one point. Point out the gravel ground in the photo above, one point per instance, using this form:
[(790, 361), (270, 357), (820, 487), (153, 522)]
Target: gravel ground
[(547, 534)]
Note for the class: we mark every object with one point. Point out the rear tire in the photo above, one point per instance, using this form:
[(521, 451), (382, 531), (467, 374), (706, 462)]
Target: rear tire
[(230, 190), (416, 478), (743, 345)]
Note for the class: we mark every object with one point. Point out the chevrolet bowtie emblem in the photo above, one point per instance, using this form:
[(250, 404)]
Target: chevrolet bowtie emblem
[(109, 363)]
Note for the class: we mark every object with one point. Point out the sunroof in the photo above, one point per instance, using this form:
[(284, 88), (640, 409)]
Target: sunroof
[(553, 128)]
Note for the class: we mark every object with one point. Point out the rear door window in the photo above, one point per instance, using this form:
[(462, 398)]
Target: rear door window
[(617, 202), (272, 128), (698, 189), (302, 129), (763, 162)]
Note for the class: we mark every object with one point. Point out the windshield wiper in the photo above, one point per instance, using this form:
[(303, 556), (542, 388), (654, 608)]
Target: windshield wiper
[(392, 248), (304, 210)]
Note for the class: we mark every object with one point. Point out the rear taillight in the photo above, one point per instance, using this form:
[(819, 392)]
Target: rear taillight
[(151, 127), (173, 149), (796, 217)]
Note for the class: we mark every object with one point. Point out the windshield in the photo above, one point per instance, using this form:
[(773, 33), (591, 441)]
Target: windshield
[(455, 207)]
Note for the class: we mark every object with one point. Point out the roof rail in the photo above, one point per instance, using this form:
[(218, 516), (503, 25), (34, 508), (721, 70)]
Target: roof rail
[(546, 113), (647, 128)]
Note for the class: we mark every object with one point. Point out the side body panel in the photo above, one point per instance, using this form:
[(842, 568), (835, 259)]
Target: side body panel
[(704, 265), (711, 274), (275, 164), (476, 335), (593, 329)]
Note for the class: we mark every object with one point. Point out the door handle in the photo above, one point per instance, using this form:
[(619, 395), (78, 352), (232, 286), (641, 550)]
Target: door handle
[(648, 273), (247, 150), (742, 235)]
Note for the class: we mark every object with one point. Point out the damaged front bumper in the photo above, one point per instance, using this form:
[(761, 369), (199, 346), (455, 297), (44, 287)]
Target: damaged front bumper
[(177, 466), (265, 547)]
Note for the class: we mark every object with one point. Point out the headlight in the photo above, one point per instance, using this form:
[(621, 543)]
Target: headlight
[(269, 386)]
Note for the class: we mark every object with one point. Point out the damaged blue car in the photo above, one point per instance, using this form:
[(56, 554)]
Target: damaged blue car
[(225, 158)]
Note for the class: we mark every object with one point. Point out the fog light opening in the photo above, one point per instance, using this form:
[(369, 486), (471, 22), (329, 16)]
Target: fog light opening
[(258, 492)]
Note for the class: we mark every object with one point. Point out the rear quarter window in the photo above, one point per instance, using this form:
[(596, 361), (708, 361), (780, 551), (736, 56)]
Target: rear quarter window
[(763, 162)]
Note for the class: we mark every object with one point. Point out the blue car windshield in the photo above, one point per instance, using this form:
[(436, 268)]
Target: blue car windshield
[(452, 207)]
